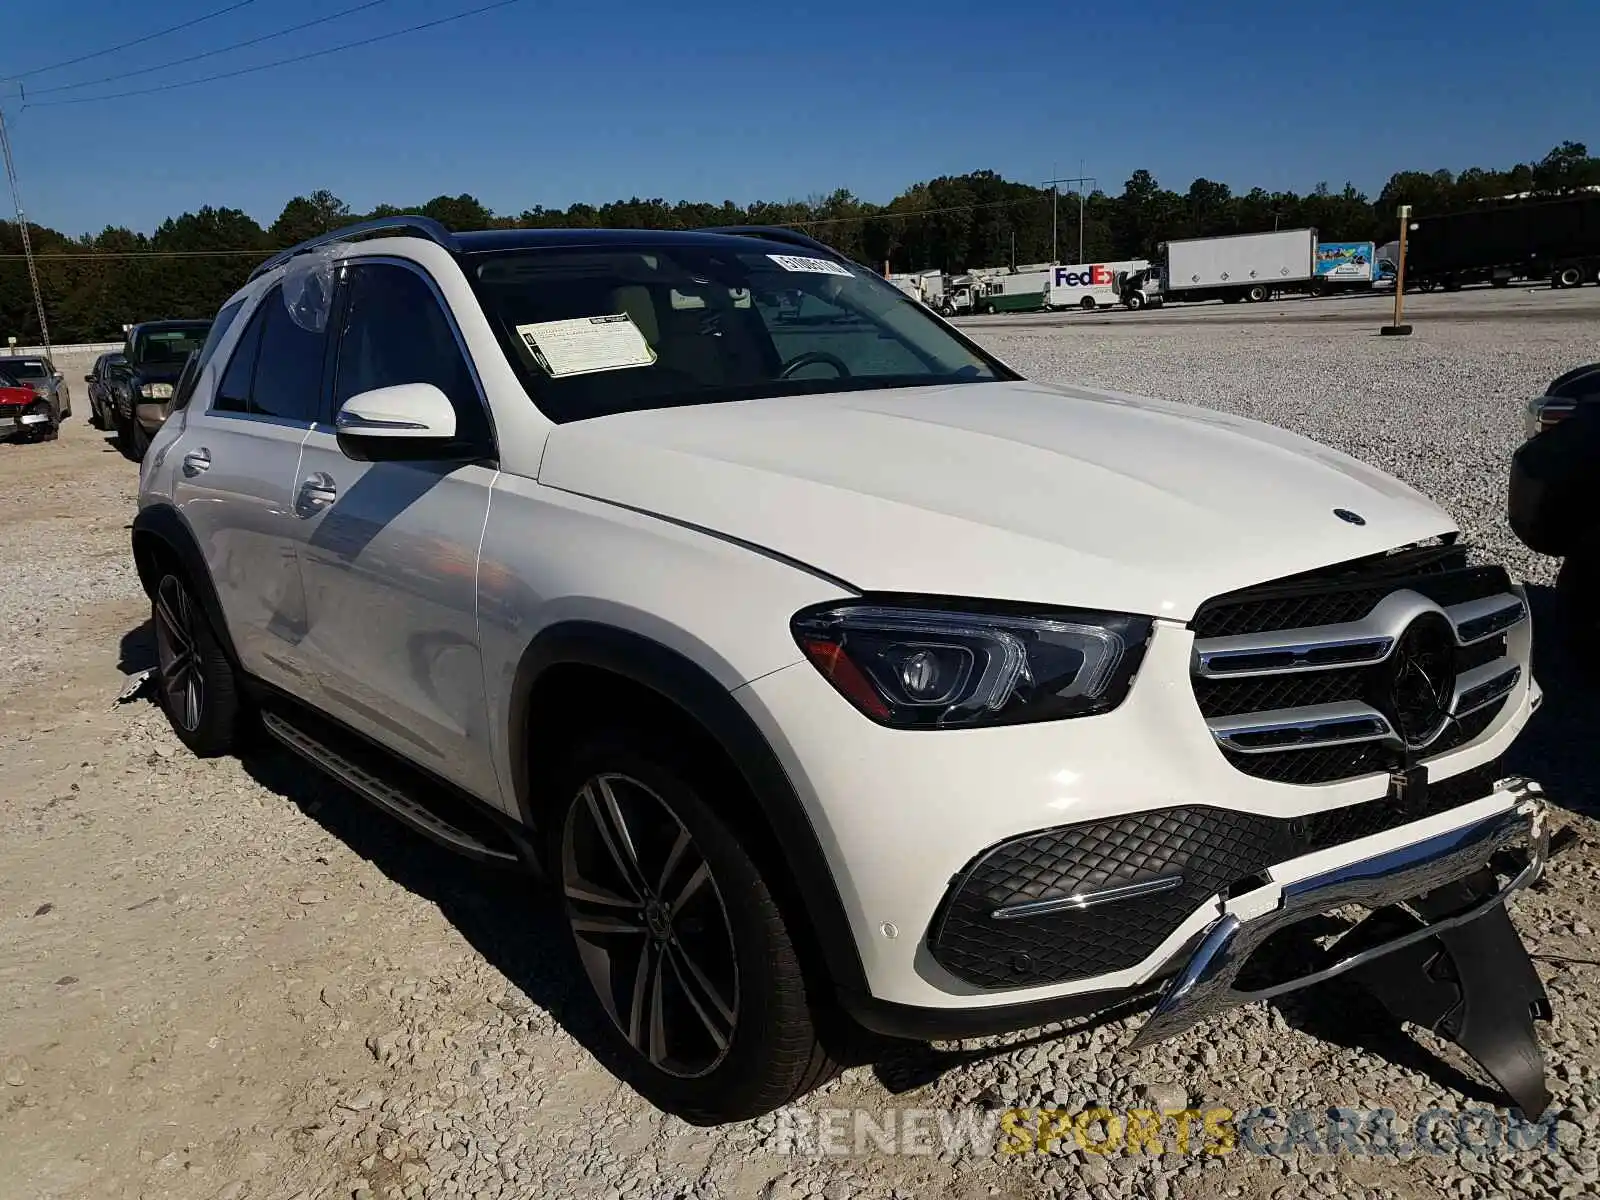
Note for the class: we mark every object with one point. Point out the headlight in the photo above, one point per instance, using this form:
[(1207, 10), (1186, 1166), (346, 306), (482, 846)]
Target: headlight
[(156, 391), (928, 668), (1547, 411)]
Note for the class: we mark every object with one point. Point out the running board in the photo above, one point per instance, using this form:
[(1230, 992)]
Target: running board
[(398, 803)]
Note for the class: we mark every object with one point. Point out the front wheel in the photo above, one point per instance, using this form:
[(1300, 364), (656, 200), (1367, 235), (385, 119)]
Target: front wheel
[(680, 938), (1134, 301)]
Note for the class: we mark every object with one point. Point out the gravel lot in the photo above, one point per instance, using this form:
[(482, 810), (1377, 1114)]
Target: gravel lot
[(231, 980)]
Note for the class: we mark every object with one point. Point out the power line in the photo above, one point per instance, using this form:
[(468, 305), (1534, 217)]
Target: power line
[(282, 62), (255, 41), (923, 212), (149, 37), (92, 255)]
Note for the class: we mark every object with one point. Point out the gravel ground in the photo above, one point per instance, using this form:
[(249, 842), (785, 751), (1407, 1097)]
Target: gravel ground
[(229, 980)]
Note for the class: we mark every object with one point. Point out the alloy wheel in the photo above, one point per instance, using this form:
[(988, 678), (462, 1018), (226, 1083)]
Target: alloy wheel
[(651, 926), (178, 653)]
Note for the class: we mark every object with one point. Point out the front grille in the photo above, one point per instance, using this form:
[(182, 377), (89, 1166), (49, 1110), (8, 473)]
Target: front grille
[(1229, 697), (1212, 849), (1327, 596), (1268, 650)]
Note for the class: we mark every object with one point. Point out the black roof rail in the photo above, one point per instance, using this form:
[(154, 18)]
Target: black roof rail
[(778, 233), (425, 226)]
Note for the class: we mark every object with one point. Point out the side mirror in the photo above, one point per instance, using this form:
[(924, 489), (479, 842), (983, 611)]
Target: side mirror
[(408, 420), (88, 378)]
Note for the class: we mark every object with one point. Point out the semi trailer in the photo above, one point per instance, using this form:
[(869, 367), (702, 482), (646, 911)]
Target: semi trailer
[(1556, 239)]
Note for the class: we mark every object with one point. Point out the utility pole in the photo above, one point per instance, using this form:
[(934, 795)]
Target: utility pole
[(1400, 279), (1081, 180), (22, 224)]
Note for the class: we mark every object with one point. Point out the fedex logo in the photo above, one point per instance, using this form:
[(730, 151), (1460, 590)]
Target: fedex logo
[(1098, 275)]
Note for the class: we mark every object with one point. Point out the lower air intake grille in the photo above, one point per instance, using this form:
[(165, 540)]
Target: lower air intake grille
[(1210, 848)]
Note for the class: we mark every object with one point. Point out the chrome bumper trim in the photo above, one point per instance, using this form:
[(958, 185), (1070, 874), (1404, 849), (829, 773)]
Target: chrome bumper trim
[(1204, 987), (1082, 900)]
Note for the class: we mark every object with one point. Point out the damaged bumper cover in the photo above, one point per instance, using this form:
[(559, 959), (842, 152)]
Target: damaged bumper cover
[(1437, 896)]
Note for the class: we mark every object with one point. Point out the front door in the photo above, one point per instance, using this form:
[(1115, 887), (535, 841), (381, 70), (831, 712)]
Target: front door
[(389, 550)]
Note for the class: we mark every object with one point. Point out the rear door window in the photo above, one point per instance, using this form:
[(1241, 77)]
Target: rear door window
[(277, 367), (288, 379), (233, 393)]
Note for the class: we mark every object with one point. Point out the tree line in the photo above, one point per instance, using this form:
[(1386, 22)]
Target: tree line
[(952, 223)]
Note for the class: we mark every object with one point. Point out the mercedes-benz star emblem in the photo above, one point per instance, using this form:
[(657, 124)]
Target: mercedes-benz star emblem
[(1419, 686), (1350, 518)]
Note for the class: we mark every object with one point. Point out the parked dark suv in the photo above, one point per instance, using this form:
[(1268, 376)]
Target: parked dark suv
[(144, 381), (102, 403), (1551, 505)]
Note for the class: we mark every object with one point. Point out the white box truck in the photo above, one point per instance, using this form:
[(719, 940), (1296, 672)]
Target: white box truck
[(1242, 266), (1090, 285)]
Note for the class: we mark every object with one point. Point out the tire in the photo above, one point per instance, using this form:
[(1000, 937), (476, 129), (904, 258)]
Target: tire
[(696, 938), (1259, 293), (1568, 277), (1578, 602), (138, 440), (197, 687), (1087, 304), (1134, 302), (1500, 281)]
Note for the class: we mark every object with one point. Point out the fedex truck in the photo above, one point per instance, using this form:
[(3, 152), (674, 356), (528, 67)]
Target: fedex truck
[(1089, 285)]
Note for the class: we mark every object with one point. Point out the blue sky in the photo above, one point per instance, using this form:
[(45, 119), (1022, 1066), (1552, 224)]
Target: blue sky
[(549, 102)]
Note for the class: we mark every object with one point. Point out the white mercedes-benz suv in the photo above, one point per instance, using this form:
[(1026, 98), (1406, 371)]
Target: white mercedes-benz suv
[(835, 675)]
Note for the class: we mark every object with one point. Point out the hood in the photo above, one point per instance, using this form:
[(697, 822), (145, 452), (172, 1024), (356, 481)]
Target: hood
[(1013, 491)]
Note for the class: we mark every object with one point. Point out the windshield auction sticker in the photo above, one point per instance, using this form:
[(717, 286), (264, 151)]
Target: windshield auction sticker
[(811, 266), (587, 344)]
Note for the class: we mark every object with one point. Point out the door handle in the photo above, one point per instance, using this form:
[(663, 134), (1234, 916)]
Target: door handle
[(197, 462), (317, 492)]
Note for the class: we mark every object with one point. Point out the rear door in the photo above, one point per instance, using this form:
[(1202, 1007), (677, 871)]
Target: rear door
[(234, 483), (389, 549)]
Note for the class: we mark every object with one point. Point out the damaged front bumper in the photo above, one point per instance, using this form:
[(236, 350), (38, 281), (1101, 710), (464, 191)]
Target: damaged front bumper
[(1437, 947), (24, 420)]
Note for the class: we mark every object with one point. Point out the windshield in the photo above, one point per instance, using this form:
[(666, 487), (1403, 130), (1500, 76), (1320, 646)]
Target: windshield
[(603, 330), (171, 344), (26, 368)]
